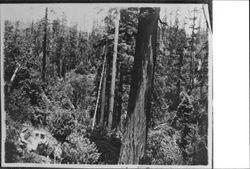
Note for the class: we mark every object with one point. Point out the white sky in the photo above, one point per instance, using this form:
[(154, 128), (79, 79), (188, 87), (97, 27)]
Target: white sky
[(84, 14)]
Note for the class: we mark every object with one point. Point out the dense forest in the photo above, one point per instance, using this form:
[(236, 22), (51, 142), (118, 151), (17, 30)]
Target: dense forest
[(131, 91)]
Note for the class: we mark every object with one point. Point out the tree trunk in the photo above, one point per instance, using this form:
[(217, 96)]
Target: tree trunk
[(192, 54), (13, 77), (112, 91), (179, 77), (60, 67), (60, 58), (99, 93), (108, 82), (44, 45), (119, 97), (103, 97), (134, 141), (104, 87), (32, 27)]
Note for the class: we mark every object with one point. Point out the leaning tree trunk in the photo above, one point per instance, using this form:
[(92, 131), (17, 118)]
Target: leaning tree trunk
[(98, 94), (134, 141), (13, 77), (112, 88), (104, 87)]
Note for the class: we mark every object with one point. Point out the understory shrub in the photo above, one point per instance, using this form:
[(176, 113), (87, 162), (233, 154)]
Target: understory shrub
[(108, 144), (162, 148), (61, 123), (79, 150)]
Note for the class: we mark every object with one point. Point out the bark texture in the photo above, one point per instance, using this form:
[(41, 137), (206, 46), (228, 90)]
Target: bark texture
[(134, 141)]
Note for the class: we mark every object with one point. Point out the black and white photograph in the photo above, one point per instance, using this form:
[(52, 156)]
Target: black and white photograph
[(106, 85)]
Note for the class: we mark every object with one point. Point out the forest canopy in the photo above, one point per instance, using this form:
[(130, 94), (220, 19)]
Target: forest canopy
[(117, 86)]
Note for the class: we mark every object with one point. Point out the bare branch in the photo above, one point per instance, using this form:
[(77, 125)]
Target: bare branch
[(163, 23)]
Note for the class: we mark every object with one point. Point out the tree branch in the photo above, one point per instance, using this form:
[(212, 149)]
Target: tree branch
[(163, 23)]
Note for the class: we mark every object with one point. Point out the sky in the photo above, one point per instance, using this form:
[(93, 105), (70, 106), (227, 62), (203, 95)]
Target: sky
[(84, 14)]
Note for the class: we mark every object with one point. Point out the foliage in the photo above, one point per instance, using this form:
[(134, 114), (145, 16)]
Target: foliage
[(108, 144), (61, 123), (79, 150), (12, 145), (18, 106), (162, 148), (34, 158)]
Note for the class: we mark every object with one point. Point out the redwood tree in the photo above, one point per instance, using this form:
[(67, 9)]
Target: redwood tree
[(113, 76), (134, 141)]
